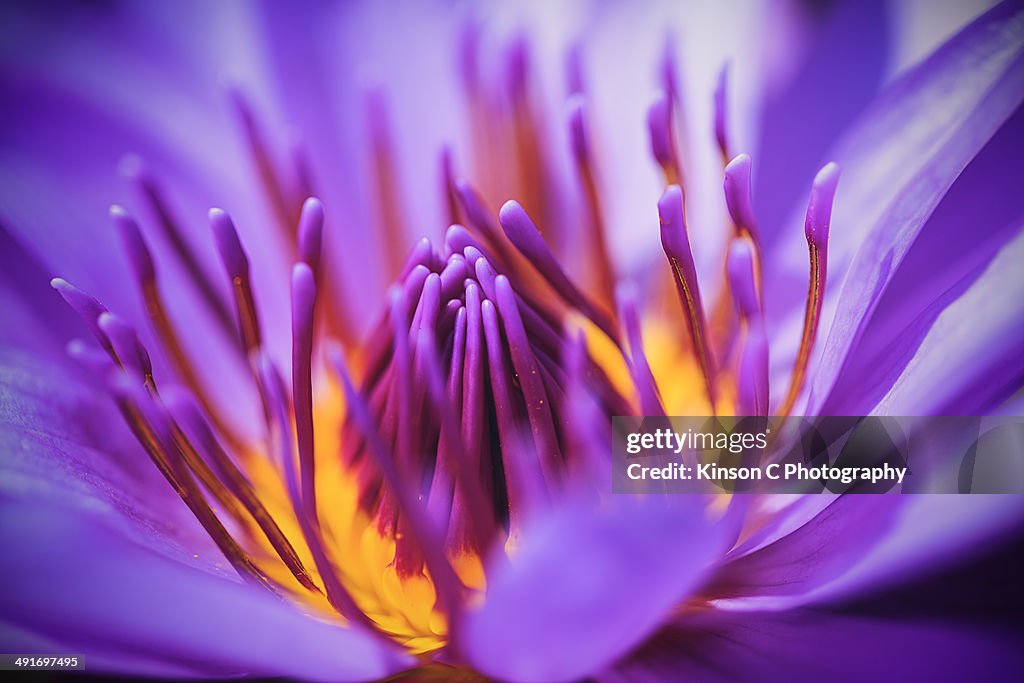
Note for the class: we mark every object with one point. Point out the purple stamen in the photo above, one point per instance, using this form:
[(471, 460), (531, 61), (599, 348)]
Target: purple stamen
[(663, 148), (738, 196), (446, 582), (189, 415), (819, 206), (578, 141), (134, 246), (752, 382), (160, 444), (311, 229), (816, 228), (519, 485), (473, 410), (236, 263), (129, 351), (742, 285), (588, 433), (232, 255), (337, 594), (135, 170), (303, 305), (538, 407), (521, 231), (97, 363), (643, 378), (87, 308), (676, 243)]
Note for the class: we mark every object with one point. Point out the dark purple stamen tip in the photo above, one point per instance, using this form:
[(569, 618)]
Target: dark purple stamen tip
[(575, 113), (659, 126), (228, 245), (819, 207), (738, 193), (134, 246), (516, 66), (87, 308), (674, 238), (311, 228)]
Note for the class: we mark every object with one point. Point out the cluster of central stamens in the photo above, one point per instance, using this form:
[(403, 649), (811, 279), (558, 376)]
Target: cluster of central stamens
[(478, 391)]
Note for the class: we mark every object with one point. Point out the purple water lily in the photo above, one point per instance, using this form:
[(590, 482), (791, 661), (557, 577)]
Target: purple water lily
[(285, 438)]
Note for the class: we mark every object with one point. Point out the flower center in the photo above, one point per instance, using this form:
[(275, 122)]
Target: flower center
[(486, 384)]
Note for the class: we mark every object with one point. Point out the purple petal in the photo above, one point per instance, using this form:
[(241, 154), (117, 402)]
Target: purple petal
[(899, 161), (812, 555), (62, 440), (932, 533), (803, 645), (986, 325), (944, 262), (91, 591), (587, 585)]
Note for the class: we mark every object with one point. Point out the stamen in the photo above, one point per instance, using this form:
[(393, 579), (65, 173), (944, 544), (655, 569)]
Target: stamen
[(588, 445), (311, 231), (188, 414), (675, 242), (128, 350), (132, 356), (816, 228), (153, 429), (521, 231), (96, 362), (603, 273), (544, 334), (448, 585), (721, 114), (479, 219), (640, 370), (135, 170), (523, 484), (337, 594), (752, 381), (236, 263), (303, 303), (538, 407), (738, 198), (663, 144), (87, 308), (478, 470), (144, 269)]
